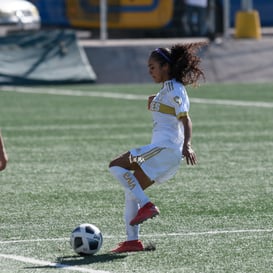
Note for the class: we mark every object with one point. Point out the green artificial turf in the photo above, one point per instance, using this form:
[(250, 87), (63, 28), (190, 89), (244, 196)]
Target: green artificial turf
[(215, 217)]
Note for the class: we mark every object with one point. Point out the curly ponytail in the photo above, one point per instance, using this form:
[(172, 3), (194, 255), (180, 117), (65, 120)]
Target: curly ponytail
[(183, 60), (185, 63)]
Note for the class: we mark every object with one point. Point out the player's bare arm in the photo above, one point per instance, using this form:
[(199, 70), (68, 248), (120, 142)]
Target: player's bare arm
[(187, 151)]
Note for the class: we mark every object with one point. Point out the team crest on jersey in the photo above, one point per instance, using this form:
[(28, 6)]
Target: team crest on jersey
[(178, 100)]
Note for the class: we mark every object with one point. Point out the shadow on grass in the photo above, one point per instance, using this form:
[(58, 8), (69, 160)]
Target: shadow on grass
[(89, 259), (76, 260)]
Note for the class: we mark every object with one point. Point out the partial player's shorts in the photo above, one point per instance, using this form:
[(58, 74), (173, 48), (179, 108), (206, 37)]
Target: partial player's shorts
[(158, 163)]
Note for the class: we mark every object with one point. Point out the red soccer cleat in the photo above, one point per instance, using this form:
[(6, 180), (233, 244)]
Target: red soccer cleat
[(128, 246), (146, 212)]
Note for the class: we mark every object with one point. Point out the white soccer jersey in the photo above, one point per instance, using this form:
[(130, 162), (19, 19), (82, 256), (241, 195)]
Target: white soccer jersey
[(170, 103)]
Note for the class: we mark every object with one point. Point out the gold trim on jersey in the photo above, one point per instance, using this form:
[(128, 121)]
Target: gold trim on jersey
[(162, 108), (165, 109), (182, 114)]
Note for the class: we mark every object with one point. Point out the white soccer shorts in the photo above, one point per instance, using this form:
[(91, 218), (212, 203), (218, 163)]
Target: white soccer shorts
[(158, 163)]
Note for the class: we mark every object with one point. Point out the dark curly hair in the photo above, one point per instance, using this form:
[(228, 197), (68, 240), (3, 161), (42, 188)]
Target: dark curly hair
[(183, 60)]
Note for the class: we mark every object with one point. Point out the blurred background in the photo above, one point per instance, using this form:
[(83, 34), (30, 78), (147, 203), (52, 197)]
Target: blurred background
[(133, 18), (59, 41)]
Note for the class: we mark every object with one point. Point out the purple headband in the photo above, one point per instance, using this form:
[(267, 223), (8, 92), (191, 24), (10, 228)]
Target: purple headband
[(159, 51)]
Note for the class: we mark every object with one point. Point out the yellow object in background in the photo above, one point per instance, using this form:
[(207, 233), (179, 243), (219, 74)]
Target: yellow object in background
[(122, 14), (247, 24)]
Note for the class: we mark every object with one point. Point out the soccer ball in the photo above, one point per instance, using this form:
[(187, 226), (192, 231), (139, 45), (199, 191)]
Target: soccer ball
[(86, 239)]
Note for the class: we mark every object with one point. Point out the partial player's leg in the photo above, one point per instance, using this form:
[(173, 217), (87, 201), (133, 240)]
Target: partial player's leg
[(136, 182), (149, 210), (125, 162), (121, 168), (132, 243), (3, 154)]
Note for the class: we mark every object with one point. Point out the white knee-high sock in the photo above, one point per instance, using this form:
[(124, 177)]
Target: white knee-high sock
[(129, 182), (130, 211)]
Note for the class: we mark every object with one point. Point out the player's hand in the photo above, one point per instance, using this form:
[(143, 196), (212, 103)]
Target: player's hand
[(190, 155), (150, 98)]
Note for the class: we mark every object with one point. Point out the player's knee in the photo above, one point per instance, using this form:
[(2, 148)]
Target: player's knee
[(116, 162), (112, 164), (122, 161)]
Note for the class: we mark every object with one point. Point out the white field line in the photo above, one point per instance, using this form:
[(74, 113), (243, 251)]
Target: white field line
[(81, 269), (75, 93), (49, 264), (233, 102), (126, 96), (156, 235)]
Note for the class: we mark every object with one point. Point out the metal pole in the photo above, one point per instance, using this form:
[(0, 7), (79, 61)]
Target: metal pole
[(211, 18), (226, 18), (103, 20), (246, 5)]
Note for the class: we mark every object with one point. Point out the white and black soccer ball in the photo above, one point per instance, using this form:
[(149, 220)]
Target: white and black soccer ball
[(86, 239)]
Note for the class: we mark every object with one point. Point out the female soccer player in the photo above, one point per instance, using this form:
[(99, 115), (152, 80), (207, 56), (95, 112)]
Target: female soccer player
[(3, 154), (157, 162)]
